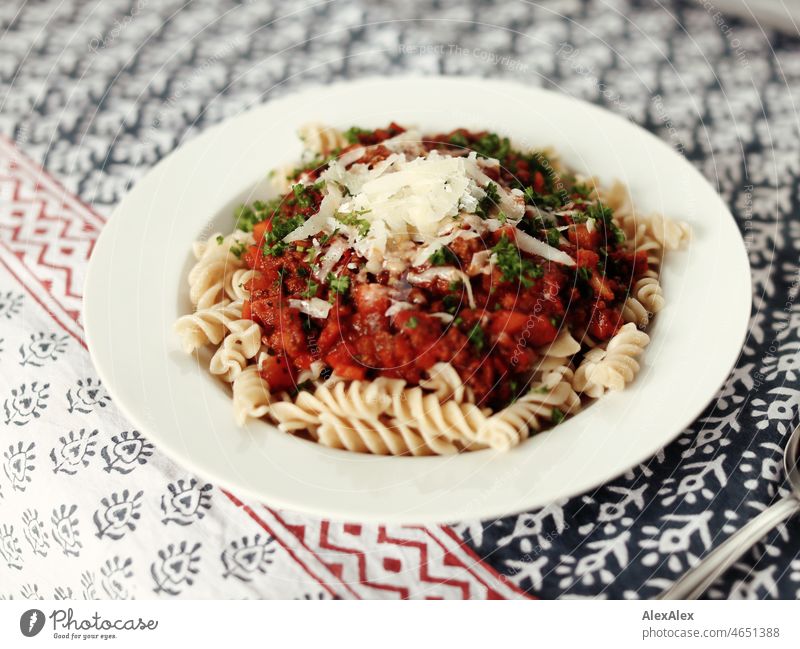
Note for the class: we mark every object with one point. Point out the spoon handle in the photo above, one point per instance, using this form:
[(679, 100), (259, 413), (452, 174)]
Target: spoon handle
[(697, 579)]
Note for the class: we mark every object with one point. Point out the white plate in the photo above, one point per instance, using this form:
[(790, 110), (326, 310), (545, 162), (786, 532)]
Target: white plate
[(136, 288)]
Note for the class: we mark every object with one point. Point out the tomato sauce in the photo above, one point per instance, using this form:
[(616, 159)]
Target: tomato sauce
[(492, 344)]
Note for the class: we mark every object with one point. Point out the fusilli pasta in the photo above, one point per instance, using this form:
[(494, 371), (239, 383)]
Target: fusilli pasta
[(439, 413), (613, 367)]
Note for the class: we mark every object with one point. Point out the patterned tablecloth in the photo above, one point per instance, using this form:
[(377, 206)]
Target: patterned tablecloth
[(94, 94)]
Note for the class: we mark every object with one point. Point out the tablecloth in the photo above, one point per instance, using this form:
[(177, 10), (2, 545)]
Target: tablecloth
[(93, 94)]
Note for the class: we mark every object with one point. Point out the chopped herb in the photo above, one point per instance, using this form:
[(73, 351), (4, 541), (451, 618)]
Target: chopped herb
[(584, 273), (338, 284), (491, 145), (451, 303), (281, 226), (311, 288), (412, 322), (455, 285), (459, 139), (557, 416), (281, 275), (551, 201), (457, 322), (220, 239), (352, 134), (582, 190), (491, 199), (554, 321), (477, 337), (301, 195), (304, 386), (442, 257), (246, 216), (502, 217), (542, 389), (553, 237), (351, 218), (599, 212), (323, 240), (513, 265)]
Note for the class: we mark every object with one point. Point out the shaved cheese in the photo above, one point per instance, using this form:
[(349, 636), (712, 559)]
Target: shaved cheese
[(427, 250), (480, 264), (348, 158), (332, 255), (397, 307), (314, 307), (512, 203), (444, 317), (447, 273), (318, 221), (527, 243)]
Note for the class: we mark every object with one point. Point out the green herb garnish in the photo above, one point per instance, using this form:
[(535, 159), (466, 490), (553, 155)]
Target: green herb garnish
[(352, 219), (311, 288), (442, 257), (513, 265), (352, 134), (246, 216), (338, 284), (477, 337), (557, 416), (491, 199)]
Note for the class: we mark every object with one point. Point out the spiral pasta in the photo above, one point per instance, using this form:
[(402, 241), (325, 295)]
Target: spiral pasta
[(206, 326), (548, 401), (645, 300), (251, 396), (321, 140), (210, 277), (242, 343), (613, 367)]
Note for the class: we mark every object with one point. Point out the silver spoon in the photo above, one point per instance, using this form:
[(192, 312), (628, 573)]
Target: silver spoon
[(695, 582)]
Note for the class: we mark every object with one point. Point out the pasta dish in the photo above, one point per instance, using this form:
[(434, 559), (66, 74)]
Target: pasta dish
[(419, 294)]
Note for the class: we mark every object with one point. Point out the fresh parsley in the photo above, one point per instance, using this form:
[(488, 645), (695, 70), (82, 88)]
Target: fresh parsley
[(491, 145), (553, 237), (353, 219), (477, 337), (557, 416), (237, 249), (311, 288), (450, 302), (442, 257), (513, 265), (354, 133), (489, 201), (274, 245), (459, 139), (246, 216), (338, 284), (412, 323)]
